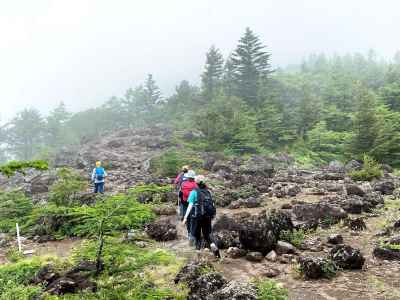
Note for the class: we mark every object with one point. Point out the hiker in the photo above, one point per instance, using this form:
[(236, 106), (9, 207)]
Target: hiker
[(178, 183), (201, 211), (187, 186), (181, 178), (98, 177)]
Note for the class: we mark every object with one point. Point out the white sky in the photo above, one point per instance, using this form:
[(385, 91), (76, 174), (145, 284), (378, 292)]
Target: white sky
[(83, 52)]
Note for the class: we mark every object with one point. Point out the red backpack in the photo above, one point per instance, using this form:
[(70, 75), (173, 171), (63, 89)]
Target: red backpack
[(186, 187)]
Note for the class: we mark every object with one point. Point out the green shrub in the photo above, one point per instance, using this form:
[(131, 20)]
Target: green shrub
[(295, 237), (271, 290), (371, 170), (170, 163), (14, 208), (15, 291), (64, 190), (10, 168), (14, 277), (83, 221), (152, 191), (122, 257)]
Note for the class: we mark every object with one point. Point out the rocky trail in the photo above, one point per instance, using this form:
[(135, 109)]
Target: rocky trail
[(379, 279), (259, 199)]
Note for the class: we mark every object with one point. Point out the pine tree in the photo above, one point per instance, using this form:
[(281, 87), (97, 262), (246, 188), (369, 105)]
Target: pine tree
[(250, 64), (152, 91), (56, 132), (228, 80), (213, 70), (25, 134), (365, 125)]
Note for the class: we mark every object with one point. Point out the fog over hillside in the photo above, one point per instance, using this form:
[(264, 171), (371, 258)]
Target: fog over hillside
[(83, 52)]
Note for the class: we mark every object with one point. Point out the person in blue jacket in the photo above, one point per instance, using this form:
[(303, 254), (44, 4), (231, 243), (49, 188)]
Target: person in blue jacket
[(99, 177)]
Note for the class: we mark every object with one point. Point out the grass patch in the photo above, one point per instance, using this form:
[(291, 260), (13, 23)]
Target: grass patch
[(271, 290), (295, 237)]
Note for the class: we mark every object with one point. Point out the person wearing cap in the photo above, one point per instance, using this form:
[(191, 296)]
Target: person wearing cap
[(187, 186), (178, 184), (98, 177), (201, 210)]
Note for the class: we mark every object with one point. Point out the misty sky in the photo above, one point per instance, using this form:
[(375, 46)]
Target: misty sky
[(83, 52)]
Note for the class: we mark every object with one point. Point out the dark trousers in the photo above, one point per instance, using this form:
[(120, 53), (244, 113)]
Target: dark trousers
[(201, 229), (99, 187), (183, 208)]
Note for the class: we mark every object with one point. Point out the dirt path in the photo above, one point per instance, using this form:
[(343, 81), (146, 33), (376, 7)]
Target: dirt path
[(60, 249), (379, 280)]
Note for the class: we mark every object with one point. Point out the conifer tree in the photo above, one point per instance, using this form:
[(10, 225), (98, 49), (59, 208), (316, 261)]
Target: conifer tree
[(213, 70), (365, 125), (251, 64), (151, 91)]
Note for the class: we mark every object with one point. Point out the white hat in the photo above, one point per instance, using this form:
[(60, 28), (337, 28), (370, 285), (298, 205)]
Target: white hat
[(200, 178), (190, 174)]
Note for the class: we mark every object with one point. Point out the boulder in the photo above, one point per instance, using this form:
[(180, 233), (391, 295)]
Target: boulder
[(236, 290), (41, 183), (260, 233), (258, 166), (336, 167), (335, 239), (312, 244), (284, 248), (315, 267), (164, 210), (329, 176), (162, 230), (251, 202), (386, 253), (254, 256), (225, 239), (293, 190), (385, 187), (205, 285), (319, 212), (356, 224), (271, 256), (354, 204), (235, 252), (354, 189), (46, 275), (353, 165), (191, 271), (73, 281), (347, 257), (271, 273)]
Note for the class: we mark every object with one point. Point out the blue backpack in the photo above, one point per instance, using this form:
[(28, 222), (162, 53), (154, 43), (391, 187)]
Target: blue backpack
[(100, 174)]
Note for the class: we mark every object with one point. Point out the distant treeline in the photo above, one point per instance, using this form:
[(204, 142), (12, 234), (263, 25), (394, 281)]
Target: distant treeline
[(327, 108)]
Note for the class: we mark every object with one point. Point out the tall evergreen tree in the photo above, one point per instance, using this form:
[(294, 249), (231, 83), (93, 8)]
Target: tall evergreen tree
[(213, 70), (152, 91), (228, 81), (56, 132), (366, 125), (251, 64), (25, 134)]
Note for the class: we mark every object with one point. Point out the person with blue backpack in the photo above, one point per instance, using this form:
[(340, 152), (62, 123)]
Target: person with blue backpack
[(201, 211), (98, 177)]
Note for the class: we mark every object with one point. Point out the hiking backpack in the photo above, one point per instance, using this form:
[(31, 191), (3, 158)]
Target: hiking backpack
[(204, 206), (186, 187), (100, 174)]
